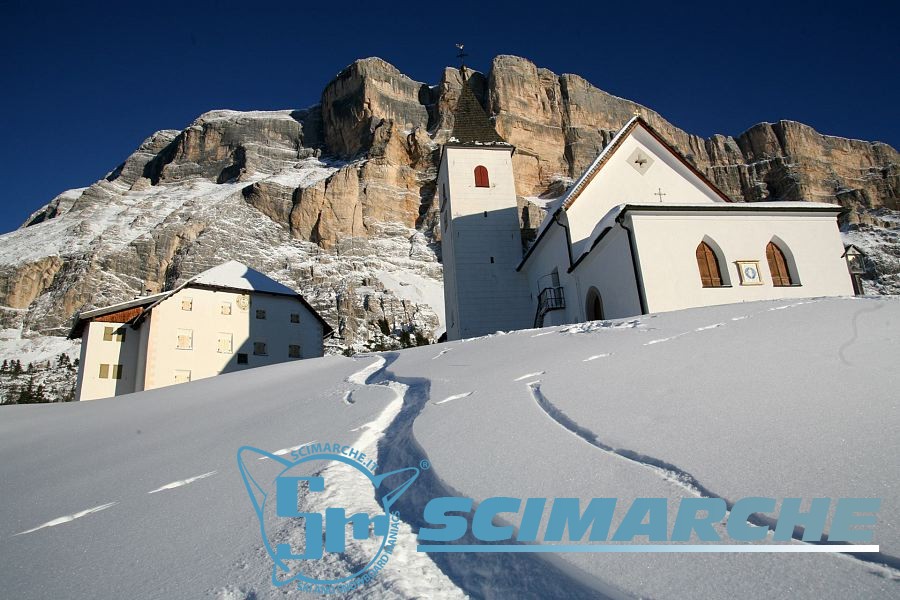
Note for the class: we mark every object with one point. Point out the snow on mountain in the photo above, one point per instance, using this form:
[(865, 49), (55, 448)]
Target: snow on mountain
[(774, 399)]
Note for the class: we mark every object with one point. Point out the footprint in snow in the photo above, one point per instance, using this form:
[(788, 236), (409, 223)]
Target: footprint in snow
[(441, 353), (455, 397), (708, 327), (529, 375), (596, 356)]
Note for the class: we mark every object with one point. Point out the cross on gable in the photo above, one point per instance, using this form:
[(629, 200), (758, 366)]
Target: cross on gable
[(660, 193)]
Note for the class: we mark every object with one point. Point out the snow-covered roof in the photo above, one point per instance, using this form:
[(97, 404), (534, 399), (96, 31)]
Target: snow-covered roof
[(139, 301), (231, 275), (238, 276)]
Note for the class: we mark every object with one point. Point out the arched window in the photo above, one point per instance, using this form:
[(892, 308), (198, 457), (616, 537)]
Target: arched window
[(781, 276), (481, 177), (593, 307), (708, 263)]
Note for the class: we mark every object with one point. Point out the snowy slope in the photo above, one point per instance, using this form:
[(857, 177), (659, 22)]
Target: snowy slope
[(140, 496)]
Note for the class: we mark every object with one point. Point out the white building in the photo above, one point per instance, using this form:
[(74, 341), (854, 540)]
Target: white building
[(225, 319), (640, 231)]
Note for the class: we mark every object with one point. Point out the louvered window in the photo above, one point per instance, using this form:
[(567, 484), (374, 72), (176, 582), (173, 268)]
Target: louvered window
[(710, 275), (481, 177), (781, 277)]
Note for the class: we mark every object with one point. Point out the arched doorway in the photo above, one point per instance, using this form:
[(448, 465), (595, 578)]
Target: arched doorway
[(593, 307)]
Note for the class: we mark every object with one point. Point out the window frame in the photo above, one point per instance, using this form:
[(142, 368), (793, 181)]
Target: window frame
[(178, 336), (781, 272), (482, 177), (708, 252)]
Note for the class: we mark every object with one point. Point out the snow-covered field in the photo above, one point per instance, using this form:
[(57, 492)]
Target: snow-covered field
[(140, 496)]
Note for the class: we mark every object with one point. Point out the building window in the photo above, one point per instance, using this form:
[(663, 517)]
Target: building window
[(242, 358), (224, 345), (259, 349), (781, 276), (187, 304), (110, 371), (112, 334), (708, 264), (225, 308), (294, 351), (182, 376), (481, 177), (185, 339), (295, 317), (260, 313)]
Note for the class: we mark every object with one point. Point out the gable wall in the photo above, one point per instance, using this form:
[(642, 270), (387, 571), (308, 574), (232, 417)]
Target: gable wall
[(618, 182), (96, 351)]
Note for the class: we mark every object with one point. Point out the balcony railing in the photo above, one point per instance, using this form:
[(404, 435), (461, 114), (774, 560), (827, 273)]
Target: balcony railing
[(550, 298)]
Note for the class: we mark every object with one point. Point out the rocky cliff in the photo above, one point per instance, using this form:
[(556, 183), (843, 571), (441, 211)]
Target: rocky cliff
[(338, 200)]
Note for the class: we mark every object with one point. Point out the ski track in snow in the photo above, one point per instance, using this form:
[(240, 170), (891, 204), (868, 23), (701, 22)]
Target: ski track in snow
[(361, 376), (741, 318), (454, 397), (529, 376), (885, 564), (69, 518), (596, 356), (182, 482), (355, 494), (708, 327), (441, 353), (284, 451), (348, 398)]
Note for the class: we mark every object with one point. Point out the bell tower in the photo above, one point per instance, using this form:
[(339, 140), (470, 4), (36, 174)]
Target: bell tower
[(481, 242)]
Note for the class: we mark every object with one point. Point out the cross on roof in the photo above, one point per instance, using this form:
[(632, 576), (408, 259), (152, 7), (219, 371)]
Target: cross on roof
[(461, 55), (660, 193)]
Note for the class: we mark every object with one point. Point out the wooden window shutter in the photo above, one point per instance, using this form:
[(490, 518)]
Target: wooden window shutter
[(481, 177), (781, 277), (710, 275)]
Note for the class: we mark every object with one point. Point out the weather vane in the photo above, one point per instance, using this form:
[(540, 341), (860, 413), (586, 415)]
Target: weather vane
[(461, 55)]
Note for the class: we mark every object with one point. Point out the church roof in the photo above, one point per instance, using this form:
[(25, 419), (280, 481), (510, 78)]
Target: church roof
[(471, 125)]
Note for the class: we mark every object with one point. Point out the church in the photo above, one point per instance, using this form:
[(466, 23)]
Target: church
[(641, 231)]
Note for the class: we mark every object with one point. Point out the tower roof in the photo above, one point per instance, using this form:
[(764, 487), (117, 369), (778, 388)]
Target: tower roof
[(471, 125)]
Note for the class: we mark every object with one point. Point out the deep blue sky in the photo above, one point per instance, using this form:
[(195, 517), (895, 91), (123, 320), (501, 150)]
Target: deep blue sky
[(84, 83)]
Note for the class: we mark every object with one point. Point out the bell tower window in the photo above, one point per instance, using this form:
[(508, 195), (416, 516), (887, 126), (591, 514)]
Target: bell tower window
[(481, 177)]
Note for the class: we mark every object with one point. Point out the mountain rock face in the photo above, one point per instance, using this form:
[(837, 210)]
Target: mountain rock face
[(338, 200)]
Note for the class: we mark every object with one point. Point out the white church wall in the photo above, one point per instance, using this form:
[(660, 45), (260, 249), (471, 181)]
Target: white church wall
[(451, 311), (108, 367), (667, 242), (549, 255), (610, 270), (618, 182), (486, 293), (210, 326)]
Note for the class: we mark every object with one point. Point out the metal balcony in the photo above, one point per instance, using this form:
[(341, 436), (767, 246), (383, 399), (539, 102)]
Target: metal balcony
[(550, 298)]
